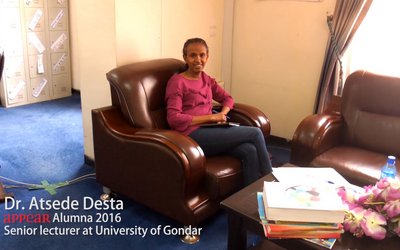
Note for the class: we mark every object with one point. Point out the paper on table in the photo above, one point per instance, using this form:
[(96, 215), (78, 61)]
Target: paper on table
[(310, 175)]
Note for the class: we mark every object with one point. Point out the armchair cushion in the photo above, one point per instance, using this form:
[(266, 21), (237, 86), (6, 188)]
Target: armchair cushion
[(222, 174), (360, 166)]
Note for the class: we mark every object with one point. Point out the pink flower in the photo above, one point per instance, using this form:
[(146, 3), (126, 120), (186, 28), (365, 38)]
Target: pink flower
[(365, 198), (392, 208), (394, 191), (389, 189), (374, 211), (383, 183), (372, 225), (348, 198), (396, 225), (352, 221)]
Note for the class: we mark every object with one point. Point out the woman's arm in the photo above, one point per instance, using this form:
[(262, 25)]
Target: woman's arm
[(225, 110), (217, 117)]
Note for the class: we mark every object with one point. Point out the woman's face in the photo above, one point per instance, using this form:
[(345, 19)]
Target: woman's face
[(196, 57)]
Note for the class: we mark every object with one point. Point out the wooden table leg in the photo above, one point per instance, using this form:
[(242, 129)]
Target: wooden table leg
[(237, 235)]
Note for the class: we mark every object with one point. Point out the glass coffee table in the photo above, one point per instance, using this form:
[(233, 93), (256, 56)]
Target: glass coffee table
[(243, 217)]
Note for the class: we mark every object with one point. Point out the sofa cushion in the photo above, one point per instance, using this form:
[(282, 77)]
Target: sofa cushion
[(358, 166)]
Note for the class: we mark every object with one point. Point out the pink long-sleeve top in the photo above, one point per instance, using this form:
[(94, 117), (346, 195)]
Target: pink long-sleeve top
[(186, 98)]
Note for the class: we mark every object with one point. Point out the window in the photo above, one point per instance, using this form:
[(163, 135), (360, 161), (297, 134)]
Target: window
[(376, 45)]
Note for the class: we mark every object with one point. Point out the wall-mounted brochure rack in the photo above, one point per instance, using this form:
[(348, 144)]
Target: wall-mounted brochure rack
[(34, 35)]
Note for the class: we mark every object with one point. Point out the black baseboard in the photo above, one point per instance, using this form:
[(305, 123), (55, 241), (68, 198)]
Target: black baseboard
[(279, 141), (89, 161)]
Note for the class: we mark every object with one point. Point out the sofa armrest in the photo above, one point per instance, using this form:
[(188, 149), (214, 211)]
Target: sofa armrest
[(315, 135), (248, 115), (175, 161)]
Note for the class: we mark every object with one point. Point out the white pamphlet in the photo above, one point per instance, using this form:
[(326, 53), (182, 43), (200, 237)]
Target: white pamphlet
[(310, 175)]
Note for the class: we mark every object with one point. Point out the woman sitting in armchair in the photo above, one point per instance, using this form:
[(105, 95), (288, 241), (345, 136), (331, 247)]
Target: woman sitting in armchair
[(189, 97)]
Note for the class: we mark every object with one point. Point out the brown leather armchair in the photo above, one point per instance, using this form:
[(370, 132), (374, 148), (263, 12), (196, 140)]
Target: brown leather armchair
[(356, 137), (138, 156)]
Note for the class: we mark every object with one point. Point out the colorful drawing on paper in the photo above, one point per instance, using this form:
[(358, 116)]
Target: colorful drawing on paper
[(303, 195)]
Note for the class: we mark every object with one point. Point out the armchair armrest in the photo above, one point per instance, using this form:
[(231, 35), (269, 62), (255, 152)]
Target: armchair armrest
[(315, 135), (250, 116), (175, 161), (186, 149)]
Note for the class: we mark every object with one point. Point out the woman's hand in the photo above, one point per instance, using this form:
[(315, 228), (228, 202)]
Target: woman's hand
[(218, 117)]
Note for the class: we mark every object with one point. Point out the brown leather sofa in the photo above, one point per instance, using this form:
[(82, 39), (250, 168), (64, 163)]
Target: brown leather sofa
[(357, 134), (138, 156)]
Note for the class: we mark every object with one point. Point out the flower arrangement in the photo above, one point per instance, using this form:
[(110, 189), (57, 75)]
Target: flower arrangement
[(375, 212)]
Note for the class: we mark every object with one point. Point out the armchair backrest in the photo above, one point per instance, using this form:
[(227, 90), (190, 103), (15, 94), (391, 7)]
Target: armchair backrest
[(371, 111), (139, 90)]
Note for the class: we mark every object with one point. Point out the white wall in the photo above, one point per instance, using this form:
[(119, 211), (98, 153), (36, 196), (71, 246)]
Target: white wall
[(158, 28), (138, 30), (93, 54), (183, 19), (278, 50)]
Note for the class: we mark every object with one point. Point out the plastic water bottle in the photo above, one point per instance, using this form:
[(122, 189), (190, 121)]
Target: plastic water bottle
[(389, 169)]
